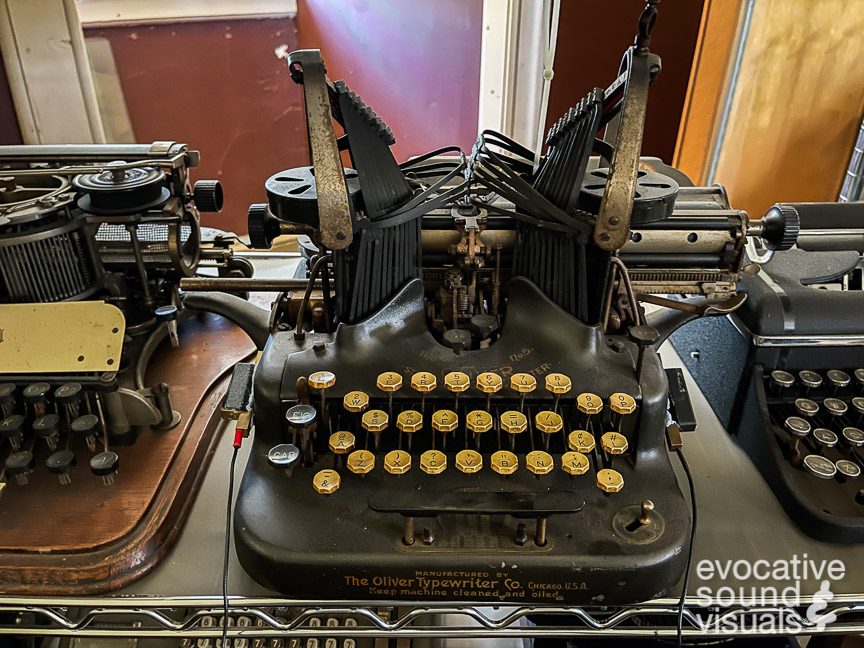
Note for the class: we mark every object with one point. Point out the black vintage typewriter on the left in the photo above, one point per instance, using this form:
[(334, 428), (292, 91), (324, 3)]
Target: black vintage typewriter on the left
[(465, 401)]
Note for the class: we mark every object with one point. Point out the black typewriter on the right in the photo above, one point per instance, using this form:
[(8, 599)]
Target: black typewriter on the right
[(796, 350)]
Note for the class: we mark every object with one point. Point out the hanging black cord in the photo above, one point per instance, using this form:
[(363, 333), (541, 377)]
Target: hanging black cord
[(227, 555), (681, 602)]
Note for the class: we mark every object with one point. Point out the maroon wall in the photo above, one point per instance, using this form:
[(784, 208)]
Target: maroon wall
[(416, 63), (10, 133), (218, 87), (592, 37)]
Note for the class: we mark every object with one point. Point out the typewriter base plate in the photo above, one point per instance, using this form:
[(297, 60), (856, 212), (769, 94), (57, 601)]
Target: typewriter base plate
[(102, 537)]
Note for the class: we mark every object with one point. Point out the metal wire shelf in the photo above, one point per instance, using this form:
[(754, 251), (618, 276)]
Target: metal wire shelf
[(259, 618)]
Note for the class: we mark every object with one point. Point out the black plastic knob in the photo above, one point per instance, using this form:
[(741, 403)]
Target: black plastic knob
[(85, 424), (11, 426), (104, 463), (37, 392), (19, 463), (263, 227), (68, 393), (7, 393), (781, 226), (61, 462), (208, 196), (46, 426)]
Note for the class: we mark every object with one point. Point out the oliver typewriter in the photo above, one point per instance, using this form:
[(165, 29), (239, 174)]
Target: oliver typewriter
[(463, 400)]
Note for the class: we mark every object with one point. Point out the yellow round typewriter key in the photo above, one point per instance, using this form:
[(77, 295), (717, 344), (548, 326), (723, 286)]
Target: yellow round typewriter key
[(580, 441), (523, 383), (613, 443), (457, 382), (504, 462), (539, 462), (433, 462), (375, 420), (409, 421), (574, 463), (513, 422), (489, 382), (548, 422), (444, 420), (397, 462), (341, 443), (361, 462), (326, 482), (622, 403), (322, 380), (478, 421), (469, 461), (355, 401), (609, 481), (423, 382), (558, 383), (389, 381), (589, 403)]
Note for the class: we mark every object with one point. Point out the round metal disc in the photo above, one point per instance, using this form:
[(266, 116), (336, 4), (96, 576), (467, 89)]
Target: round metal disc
[(849, 469), (300, 415), (820, 466)]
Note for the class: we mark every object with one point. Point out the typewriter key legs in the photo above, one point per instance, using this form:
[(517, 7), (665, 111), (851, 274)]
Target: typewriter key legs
[(375, 421)]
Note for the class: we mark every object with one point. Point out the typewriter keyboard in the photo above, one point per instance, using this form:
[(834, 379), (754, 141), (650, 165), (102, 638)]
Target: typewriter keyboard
[(485, 422), (55, 425), (819, 416)]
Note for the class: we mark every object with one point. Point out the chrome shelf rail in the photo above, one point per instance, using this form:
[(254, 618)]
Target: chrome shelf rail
[(258, 618)]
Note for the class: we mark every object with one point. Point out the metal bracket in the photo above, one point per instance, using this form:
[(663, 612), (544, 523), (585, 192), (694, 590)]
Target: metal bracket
[(334, 210), (612, 229)]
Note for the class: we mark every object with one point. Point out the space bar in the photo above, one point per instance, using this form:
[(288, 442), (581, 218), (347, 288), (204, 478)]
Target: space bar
[(518, 503)]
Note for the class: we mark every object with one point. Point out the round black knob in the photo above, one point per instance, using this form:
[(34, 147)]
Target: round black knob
[(46, 426), (67, 393), (104, 463), (61, 463), (20, 463), (208, 196), (7, 393), (12, 426), (780, 227), (37, 392), (85, 424), (263, 228)]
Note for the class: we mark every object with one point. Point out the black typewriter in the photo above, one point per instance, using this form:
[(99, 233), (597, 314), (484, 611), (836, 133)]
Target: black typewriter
[(93, 239), (785, 373), (460, 398)]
